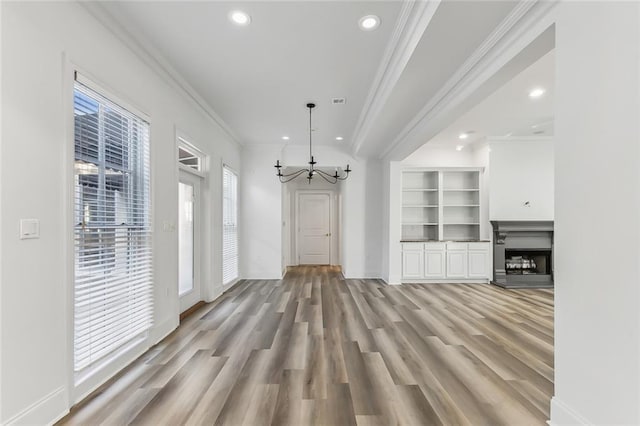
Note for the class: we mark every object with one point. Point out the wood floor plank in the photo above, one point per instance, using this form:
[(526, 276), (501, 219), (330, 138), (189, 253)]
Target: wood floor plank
[(316, 349)]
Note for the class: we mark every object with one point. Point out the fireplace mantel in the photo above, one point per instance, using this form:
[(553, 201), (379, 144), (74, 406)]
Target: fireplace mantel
[(525, 238)]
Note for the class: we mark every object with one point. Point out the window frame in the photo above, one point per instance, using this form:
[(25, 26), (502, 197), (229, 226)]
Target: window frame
[(85, 379), (237, 227)]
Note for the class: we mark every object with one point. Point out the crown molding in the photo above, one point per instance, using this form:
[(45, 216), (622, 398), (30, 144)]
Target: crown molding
[(486, 60), (144, 49), (411, 24), (505, 140)]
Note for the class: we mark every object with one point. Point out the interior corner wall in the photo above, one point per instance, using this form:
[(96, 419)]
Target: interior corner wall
[(393, 255), (597, 214), (41, 44), (263, 216)]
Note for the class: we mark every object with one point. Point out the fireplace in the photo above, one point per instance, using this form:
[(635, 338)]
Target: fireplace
[(523, 254)]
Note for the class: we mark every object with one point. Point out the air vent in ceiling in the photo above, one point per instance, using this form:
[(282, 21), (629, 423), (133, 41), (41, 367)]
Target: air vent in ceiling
[(338, 101)]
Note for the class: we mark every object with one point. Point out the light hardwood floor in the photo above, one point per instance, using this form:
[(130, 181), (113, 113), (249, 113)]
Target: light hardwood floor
[(314, 348)]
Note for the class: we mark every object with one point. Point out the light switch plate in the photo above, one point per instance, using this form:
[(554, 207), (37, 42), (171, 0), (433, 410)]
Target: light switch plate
[(29, 228)]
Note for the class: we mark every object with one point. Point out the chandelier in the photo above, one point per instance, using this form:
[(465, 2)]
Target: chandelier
[(311, 171)]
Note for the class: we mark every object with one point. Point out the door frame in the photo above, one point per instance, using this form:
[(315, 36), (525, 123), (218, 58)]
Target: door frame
[(333, 258), (194, 179)]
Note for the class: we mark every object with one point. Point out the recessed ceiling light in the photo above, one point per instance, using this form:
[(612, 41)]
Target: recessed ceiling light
[(369, 22), (463, 136), (459, 147), (285, 138), (339, 138), (239, 17), (536, 93)]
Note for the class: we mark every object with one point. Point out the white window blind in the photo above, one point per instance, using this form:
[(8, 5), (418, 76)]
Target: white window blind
[(229, 226), (113, 300)]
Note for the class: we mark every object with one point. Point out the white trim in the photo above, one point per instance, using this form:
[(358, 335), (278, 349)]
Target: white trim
[(440, 169), (525, 22), (191, 171), (68, 196), (182, 139), (45, 411), (561, 414), (332, 231), (196, 294), (113, 95), (445, 281), (94, 376), (223, 166), (152, 58), (412, 22)]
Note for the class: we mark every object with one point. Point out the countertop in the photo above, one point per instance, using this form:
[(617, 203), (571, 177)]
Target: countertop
[(418, 240)]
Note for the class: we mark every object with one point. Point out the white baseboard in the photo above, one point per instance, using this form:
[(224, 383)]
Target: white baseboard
[(264, 275), (562, 415), (446, 281), (46, 411), (163, 329)]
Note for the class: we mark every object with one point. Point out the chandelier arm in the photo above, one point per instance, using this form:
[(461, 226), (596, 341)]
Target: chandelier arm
[(326, 176), (297, 172), (291, 176)]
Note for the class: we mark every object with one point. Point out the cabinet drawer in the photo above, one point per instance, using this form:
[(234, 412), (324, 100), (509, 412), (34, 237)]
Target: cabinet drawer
[(457, 246), (412, 246), (479, 246), (435, 246)]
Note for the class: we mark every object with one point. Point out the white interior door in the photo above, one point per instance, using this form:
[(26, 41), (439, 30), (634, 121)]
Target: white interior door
[(188, 241), (314, 229)]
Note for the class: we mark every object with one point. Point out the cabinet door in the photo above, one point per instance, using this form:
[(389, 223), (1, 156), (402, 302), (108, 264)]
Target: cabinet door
[(412, 263), (478, 264), (456, 264), (434, 263)]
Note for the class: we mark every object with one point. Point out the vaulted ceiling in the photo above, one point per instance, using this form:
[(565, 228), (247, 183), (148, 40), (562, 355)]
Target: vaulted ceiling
[(258, 78)]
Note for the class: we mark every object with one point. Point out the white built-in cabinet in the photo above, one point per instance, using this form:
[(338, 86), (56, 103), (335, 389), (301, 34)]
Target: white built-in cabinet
[(435, 260), (446, 262), (441, 226), (413, 261), (441, 204)]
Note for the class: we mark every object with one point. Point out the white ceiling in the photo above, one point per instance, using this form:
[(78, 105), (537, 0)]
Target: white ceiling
[(258, 78), (508, 112)]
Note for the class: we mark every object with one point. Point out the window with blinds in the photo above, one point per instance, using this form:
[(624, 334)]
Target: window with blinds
[(113, 264), (229, 226)]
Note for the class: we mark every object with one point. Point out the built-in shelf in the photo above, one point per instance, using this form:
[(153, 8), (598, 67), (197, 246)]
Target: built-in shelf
[(441, 204)]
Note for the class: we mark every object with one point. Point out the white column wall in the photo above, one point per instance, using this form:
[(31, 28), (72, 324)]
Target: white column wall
[(597, 214)]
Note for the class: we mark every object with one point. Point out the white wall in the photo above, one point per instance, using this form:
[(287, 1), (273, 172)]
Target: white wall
[(521, 171), (597, 214), (40, 41), (261, 246), (263, 215)]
